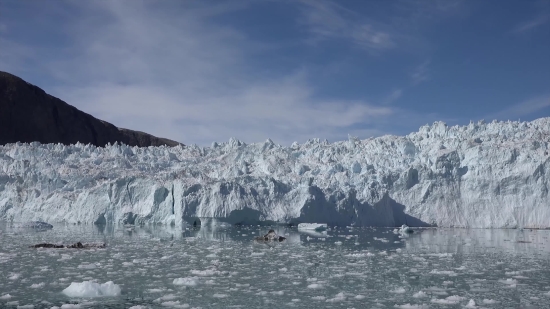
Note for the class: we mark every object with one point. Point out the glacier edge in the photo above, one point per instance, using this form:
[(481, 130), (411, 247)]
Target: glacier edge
[(483, 175)]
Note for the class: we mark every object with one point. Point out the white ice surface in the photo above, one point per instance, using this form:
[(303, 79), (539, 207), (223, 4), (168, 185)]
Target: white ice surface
[(312, 226), (92, 289), (483, 175)]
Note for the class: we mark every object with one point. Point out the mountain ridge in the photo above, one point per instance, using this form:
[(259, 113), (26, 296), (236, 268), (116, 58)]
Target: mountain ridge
[(29, 114)]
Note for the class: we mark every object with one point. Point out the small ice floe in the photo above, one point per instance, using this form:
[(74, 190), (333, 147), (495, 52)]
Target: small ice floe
[(14, 276), (420, 294), (314, 286), (337, 298), (92, 289), (489, 301), (188, 281), (443, 272), (6, 296), (405, 230), (399, 291), (312, 226), (409, 306), (451, 300), (510, 282), (471, 304), (37, 285)]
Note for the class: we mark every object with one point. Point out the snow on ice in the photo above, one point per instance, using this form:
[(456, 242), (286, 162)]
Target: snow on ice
[(483, 175)]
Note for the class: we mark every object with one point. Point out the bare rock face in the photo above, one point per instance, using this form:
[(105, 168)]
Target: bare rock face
[(28, 114)]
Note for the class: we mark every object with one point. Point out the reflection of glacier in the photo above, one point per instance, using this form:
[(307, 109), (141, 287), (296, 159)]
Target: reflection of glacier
[(479, 241), (480, 175)]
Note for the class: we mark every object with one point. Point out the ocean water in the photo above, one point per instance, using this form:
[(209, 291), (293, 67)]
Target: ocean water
[(222, 267)]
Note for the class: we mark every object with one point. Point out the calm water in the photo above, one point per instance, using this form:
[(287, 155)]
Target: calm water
[(216, 267)]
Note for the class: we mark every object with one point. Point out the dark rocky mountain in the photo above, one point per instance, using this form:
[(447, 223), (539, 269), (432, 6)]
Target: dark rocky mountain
[(29, 114)]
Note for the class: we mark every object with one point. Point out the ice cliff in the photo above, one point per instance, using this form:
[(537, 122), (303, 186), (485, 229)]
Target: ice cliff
[(483, 175)]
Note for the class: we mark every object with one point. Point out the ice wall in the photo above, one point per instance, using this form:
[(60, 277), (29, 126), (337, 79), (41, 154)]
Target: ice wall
[(486, 175)]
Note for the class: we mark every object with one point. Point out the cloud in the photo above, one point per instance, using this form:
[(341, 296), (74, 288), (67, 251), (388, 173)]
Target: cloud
[(421, 73), (525, 108), (328, 20), (393, 96), (173, 72), (531, 24)]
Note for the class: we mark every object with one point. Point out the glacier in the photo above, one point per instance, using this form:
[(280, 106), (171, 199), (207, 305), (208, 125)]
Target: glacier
[(482, 175)]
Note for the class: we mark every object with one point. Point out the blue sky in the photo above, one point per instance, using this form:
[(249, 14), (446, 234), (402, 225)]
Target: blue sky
[(204, 71)]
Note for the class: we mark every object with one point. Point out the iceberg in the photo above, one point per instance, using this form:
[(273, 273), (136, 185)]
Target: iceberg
[(312, 226), (482, 175), (90, 289), (405, 229)]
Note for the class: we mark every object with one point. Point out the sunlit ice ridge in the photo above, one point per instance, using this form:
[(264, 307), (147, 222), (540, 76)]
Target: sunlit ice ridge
[(482, 175)]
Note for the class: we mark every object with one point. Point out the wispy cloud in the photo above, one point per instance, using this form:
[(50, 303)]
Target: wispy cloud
[(532, 24), (421, 73), (525, 108), (393, 96), (328, 20)]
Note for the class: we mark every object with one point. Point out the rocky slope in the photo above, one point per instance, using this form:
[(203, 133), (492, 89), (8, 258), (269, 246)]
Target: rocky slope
[(29, 114), (483, 175)]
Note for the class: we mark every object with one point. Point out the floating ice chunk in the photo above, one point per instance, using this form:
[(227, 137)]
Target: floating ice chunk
[(314, 286), (409, 306), (25, 307), (219, 295), (175, 304), (405, 229), (92, 289), (451, 300), (443, 272), (338, 298), (312, 226), (70, 306), (399, 291), (420, 294), (6, 296), (14, 276), (314, 233), (471, 304), (188, 281), (510, 281), (37, 285), (205, 273)]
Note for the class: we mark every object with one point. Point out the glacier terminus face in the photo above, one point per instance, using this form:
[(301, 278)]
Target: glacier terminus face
[(483, 175)]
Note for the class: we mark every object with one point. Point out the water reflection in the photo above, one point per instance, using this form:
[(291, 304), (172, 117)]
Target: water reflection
[(343, 267), (479, 241)]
